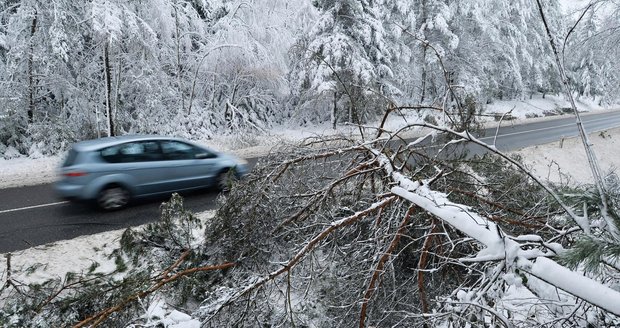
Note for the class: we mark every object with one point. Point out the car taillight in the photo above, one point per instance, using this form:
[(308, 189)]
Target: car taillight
[(75, 174)]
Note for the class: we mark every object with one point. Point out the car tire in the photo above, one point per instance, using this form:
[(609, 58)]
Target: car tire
[(112, 198), (224, 180)]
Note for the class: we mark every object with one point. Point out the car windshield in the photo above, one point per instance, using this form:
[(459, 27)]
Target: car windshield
[(176, 150)]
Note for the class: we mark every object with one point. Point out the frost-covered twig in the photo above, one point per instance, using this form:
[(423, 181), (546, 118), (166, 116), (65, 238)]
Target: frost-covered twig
[(500, 124), (360, 170)]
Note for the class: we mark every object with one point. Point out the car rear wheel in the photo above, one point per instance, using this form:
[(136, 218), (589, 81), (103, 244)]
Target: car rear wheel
[(113, 198)]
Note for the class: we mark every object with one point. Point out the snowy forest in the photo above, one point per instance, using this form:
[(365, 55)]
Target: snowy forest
[(372, 231), (74, 70)]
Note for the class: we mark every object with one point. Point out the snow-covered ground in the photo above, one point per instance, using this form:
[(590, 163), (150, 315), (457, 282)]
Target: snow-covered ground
[(565, 161)]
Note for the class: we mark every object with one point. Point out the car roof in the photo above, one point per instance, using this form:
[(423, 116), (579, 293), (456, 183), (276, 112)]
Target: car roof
[(96, 144)]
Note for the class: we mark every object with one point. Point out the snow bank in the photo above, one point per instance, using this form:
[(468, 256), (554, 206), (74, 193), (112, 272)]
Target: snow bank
[(83, 254), (538, 106), (24, 171), (565, 161)]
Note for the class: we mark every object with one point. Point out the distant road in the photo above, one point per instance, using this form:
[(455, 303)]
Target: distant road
[(32, 215), (512, 137)]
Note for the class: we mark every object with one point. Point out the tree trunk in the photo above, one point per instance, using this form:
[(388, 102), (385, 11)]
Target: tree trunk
[(31, 79), (179, 68), (334, 111), (108, 85), (117, 88), (424, 68), (424, 48)]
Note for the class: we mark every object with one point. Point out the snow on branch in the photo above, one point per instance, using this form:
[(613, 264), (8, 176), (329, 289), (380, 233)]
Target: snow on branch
[(581, 221), (499, 246), (575, 284)]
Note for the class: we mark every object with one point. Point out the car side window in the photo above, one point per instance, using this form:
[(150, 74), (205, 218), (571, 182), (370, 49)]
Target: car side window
[(176, 150), (111, 154), (142, 151), (152, 151)]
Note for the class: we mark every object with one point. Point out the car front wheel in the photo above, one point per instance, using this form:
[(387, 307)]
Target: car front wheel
[(224, 180), (113, 198)]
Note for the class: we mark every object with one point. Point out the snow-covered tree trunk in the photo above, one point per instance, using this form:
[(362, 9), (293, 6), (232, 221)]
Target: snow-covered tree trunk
[(334, 111)]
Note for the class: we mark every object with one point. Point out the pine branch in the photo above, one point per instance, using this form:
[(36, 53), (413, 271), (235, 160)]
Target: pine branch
[(592, 160), (378, 272), (307, 248), (96, 319)]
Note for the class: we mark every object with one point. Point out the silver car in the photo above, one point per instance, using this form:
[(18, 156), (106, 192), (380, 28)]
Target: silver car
[(114, 170)]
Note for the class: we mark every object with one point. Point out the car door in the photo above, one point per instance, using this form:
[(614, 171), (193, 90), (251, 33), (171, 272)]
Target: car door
[(143, 164), (193, 166)]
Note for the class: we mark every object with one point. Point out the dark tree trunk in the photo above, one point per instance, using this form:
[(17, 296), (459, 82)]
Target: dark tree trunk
[(335, 111), (31, 79), (108, 89)]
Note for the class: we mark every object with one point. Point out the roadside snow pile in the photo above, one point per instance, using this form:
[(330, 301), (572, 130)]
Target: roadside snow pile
[(565, 161), (24, 171), (85, 254), (538, 106)]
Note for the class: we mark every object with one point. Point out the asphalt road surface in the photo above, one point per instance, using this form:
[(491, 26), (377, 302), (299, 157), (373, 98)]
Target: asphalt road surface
[(32, 215)]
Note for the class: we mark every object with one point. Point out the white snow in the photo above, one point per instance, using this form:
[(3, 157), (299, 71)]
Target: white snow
[(576, 284), (159, 314), (24, 171), (565, 161), (74, 255)]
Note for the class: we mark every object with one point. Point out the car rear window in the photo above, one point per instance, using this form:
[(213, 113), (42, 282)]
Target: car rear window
[(71, 156)]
